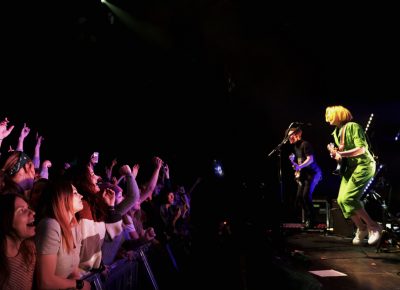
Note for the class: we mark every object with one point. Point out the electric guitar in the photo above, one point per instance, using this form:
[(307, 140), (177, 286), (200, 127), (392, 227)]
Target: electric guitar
[(296, 172), (341, 163)]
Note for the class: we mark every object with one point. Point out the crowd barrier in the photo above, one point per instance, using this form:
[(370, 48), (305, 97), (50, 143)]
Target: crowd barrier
[(123, 274)]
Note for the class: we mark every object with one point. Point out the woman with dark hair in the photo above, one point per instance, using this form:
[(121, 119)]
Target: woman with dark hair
[(17, 250), (17, 174), (100, 218)]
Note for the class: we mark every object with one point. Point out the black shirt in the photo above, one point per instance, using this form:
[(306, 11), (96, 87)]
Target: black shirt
[(302, 149)]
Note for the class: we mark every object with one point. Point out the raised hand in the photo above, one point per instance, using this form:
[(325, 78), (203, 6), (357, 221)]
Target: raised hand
[(166, 170), (44, 171), (114, 162), (25, 131), (39, 139), (36, 154), (109, 196), (46, 164), (109, 170), (135, 170), (125, 170), (157, 162), (114, 180), (4, 132)]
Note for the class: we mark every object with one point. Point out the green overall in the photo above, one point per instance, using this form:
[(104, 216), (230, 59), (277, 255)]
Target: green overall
[(359, 170)]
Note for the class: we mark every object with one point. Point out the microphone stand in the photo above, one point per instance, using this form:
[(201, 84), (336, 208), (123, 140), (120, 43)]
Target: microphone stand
[(278, 226), (278, 150)]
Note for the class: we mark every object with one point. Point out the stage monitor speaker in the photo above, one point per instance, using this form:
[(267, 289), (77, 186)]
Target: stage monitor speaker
[(322, 212), (341, 226)]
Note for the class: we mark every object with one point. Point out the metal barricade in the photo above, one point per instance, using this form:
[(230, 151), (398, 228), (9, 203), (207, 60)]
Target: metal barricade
[(142, 252), (123, 275)]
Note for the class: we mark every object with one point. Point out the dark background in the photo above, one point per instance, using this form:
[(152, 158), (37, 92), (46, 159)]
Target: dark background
[(193, 81)]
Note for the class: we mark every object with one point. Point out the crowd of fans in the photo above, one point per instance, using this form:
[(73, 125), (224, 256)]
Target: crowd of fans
[(60, 226)]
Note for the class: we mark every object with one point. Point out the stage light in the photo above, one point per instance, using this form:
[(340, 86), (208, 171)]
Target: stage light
[(369, 122), (372, 180), (218, 170)]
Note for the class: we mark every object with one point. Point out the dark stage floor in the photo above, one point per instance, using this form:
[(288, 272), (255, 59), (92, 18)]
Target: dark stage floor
[(365, 267), (261, 260)]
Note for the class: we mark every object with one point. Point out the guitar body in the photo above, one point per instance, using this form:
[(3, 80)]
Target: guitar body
[(340, 167), (341, 164), (296, 172)]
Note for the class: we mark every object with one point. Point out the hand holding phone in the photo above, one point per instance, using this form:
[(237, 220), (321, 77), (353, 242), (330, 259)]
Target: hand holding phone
[(95, 157)]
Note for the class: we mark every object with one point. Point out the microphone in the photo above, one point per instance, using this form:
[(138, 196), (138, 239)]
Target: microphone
[(302, 124)]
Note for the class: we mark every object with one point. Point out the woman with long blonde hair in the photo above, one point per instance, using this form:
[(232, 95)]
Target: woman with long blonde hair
[(58, 239)]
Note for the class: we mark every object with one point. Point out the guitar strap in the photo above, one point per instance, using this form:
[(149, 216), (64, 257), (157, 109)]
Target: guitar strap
[(341, 145)]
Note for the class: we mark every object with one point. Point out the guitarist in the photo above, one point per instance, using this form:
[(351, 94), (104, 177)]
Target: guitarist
[(307, 173), (360, 168)]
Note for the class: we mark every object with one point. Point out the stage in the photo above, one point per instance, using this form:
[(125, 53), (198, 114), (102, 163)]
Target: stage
[(346, 266)]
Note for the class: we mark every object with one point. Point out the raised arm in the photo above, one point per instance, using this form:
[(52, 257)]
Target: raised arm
[(197, 182), (148, 191), (24, 132), (36, 154), (109, 169), (132, 191), (44, 171), (4, 131)]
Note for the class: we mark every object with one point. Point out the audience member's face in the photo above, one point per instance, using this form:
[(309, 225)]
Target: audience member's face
[(157, 189), (27, 176), (171, 197), (24, 219), (76, 200), (136, 205), (94, 179), (31, 170)]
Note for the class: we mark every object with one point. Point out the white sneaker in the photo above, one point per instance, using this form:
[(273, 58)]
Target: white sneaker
[(360, 236), (374, 235)]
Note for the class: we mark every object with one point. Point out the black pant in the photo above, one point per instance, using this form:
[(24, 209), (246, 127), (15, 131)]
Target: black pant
[(305, 188)]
